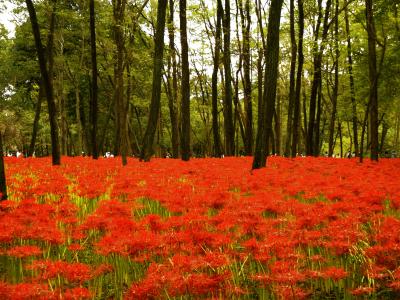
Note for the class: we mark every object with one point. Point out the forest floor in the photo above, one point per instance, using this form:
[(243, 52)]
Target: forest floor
[(303, 228)]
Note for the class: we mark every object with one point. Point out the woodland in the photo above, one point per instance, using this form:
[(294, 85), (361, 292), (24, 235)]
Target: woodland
[(249, 100), (201, 78)]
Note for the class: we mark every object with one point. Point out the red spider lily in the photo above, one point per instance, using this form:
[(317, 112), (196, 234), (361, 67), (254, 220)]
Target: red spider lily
[(75, 247), (291, 292), (24, 251), (73, 272), (77, 293), (334, 273), (25, 291), (362, 290), (395, 285)]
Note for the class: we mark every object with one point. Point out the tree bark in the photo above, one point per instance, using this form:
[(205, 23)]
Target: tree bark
[(93, 104), (173, 99), (317, 77), (121, 107), (296, 113), (148, 139), (3, 183), (373, 80), (246, 22), (271, 76), (214, 83), (185, 85), (228, 111), (336, 84), (35, 126), (351, 79), (48, 84), (292, 82)]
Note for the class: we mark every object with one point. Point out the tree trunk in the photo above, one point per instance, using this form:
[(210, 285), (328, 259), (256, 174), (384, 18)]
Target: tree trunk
[(246, 22), (185, 85), (48, 84), (292, 82), (373, 80), (147, 149), (173, 99), (214, 83), (93, 103), (351, 79), (336, 84), (296, 113), (271, 76), (35, 126), (228, 111), (317, 77), (121, 111), (3, 184)]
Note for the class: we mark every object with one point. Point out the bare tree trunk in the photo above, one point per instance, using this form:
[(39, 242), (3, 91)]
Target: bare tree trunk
[(246, 22), (373, 80), (93, 103), (228, 111), (48, 85), (173, 99), (35, 126), (296, 113), (214, 83), (336, 84), (351, 78), (185, 85), (312, 144), (3, 184), (121, 112), (292, 82), (147, 149), (271, 77)]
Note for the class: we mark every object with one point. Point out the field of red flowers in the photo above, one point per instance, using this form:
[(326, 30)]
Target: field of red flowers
[(304, 228)]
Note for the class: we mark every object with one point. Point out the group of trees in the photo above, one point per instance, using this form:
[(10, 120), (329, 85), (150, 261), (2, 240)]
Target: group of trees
[(225, 77)]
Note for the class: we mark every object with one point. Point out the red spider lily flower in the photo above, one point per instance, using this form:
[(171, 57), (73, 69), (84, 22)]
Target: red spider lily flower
[(24, 251), (362, 290), (73, 272), (26, 291), (75, 247), (77, 293), (291, 292), (395, 285), (334, 273), (102, 269)]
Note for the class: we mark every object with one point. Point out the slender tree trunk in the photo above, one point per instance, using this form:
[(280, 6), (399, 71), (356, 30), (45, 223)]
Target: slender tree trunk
[(35, 126), (246, 22), (317, 128), (228, 111), (351, 79), (277, 118), (93, 104), (121, 112), (185, 85), (50, 65), (173, 99), (148, 139), (214, 83), (373, 80), (271, 77), (336, 84), (297, 100), (48, 85), (3, 184), (292, 82), (312, 144)]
